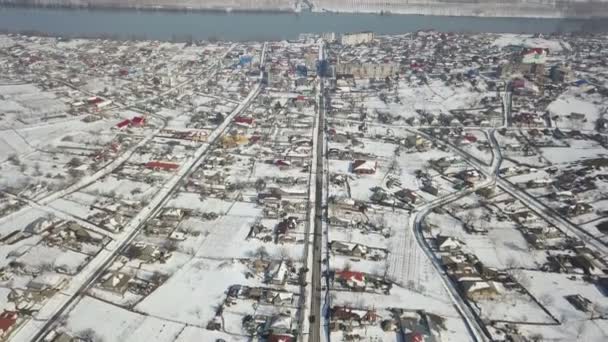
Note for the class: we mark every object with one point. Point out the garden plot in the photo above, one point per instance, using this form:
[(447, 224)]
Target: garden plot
[(530, 41), (360, 185), (86, 205), (180, 121), (240, 168), (551, 289), (173, 264), (179, 148), (583, 330), (10, 110), (503, 246), (592, 229), (141, 156), (576, 101), (75, 207), (8, 206), (234, 314), (11, 143), (407, 265), (226, 237), (512, 306), (266, 170), (435, 98), (439, 305), (595, 215), (355, 236), (124, 188), (126, 299), (29, 105), (195, 291), (118, 324), (38, 173), (19, 220), (409, 163), (194, 201), (579, 150), (375, 244), (518, 159), (527, 175), (377, 148), (4, 301), (41, 135), (40, 257)]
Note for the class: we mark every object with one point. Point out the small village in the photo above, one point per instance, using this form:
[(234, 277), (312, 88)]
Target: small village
[(339, 187)]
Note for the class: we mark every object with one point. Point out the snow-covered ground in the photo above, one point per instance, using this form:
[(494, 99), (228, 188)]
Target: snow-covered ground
[(119, 324)]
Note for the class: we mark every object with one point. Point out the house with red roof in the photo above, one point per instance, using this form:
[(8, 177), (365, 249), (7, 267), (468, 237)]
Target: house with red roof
[(470, 138), (7, 321), (94, 100), (123, 124), (138, 121), (282, 163), (534, 56), (160, 165), (244, 121), (348, 314), (365, 167), (351, 279), (281, 338), (416, 337)]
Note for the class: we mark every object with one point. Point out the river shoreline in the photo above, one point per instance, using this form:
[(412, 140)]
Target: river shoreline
[(444, 9), (180, 25), (159, 9)]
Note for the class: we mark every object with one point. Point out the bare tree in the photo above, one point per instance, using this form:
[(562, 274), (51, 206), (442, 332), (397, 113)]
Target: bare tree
[(537, 337), (470, 218), (14, 159), (75, 162), (157, 277), (89, 335), (74, 173), (261, 253)]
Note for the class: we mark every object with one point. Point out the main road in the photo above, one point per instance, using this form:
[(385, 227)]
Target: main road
[(316, 318), (473, 322), (37, 327)]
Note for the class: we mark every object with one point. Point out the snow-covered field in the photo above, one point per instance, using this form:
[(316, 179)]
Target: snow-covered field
[(119, 324)]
